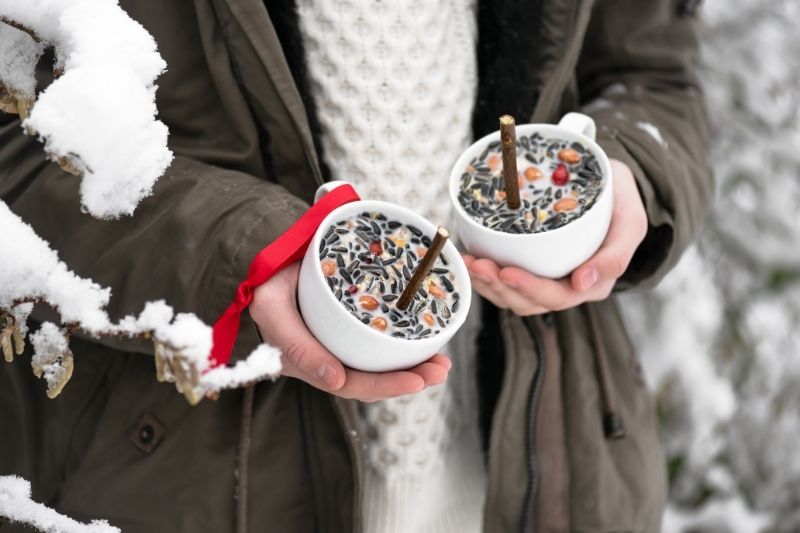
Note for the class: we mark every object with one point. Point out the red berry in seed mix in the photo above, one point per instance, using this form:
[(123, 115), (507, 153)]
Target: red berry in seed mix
[(560, 175)]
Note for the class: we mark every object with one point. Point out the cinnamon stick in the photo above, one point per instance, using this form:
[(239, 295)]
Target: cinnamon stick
[(508, 140), (423, 268)]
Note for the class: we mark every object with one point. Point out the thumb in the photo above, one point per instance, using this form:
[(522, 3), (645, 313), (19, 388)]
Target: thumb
[(627, 230), (303, 357)]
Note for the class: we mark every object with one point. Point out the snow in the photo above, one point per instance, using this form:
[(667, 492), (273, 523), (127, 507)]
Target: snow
[(719, 338), (264, 362), (109, 64), (672, 359), (615, 89), (30, 269), (16, 504), (185, 333), (52, 359), (33, 272), (653, 132), (19, 54), (596, 105), (717, 516), (21, 312), (97, 117)]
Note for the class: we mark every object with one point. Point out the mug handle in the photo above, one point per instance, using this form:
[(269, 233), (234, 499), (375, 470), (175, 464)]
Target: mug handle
[(579, 123), (328, 187)]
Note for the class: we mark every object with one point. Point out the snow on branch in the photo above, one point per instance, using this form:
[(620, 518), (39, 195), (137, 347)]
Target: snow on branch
[(35, 274), (16, 505), (106, 66), (97, 119)]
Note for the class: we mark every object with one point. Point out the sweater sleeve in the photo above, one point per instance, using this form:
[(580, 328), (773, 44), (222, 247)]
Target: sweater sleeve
[(190, 243), (637, 78)]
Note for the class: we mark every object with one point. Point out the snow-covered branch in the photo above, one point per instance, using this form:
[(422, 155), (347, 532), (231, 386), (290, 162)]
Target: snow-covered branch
[(16, 505), (97, 120), (34, 273)]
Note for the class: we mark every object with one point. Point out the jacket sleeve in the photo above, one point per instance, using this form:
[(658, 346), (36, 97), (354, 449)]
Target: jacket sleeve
[(637, 79), (190, 243)]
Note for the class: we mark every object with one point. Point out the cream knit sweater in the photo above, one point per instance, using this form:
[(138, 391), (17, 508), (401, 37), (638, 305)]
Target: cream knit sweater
[(394, 84)]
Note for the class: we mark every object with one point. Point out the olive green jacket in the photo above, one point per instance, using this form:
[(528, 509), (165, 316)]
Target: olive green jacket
[(118, 445)]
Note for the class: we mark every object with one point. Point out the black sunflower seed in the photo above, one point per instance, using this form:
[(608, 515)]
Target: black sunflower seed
[(345, 275), (446, 283), (415, 230)]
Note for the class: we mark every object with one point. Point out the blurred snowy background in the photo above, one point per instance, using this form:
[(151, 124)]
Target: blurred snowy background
[(720, 337)]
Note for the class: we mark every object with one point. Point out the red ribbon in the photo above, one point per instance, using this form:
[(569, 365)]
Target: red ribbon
[(289, 247)]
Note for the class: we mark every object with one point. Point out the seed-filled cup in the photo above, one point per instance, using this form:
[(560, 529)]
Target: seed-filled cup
[(358, 264), (566, 194)]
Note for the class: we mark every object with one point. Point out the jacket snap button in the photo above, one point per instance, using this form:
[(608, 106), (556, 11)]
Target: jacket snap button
[(146, 433)]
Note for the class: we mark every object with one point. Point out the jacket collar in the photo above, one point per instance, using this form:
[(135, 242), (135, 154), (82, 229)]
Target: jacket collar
[(266, 80), (564, 29)]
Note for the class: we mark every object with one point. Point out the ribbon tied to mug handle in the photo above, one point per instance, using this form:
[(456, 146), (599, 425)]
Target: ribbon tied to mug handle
[(289, 247)]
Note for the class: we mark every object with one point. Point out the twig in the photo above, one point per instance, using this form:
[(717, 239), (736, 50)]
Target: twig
[(423, 269), (508, 139)]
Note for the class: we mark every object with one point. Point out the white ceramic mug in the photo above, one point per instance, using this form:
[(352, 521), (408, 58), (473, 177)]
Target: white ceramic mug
[(554, 253), (357, 344)]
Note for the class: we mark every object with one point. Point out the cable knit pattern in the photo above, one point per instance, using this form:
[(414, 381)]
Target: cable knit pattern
[(394, 82), (394, 85)]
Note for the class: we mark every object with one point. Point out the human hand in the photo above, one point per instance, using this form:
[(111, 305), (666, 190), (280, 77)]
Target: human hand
[(526, 294), (274, 310)]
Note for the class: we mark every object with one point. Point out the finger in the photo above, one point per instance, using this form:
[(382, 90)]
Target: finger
[(551, 294), (483, 283), (433, 371), (485, 270), (627, 230), (374, 386), (612, 259), (485, 290), (302, 356), (600, 292), (507, 294), (468, 259)]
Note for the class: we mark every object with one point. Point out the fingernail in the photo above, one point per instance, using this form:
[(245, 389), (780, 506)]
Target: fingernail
[(589, 279), (327, 374)]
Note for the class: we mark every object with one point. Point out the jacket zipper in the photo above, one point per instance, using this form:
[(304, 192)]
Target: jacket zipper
[(526, 524)]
